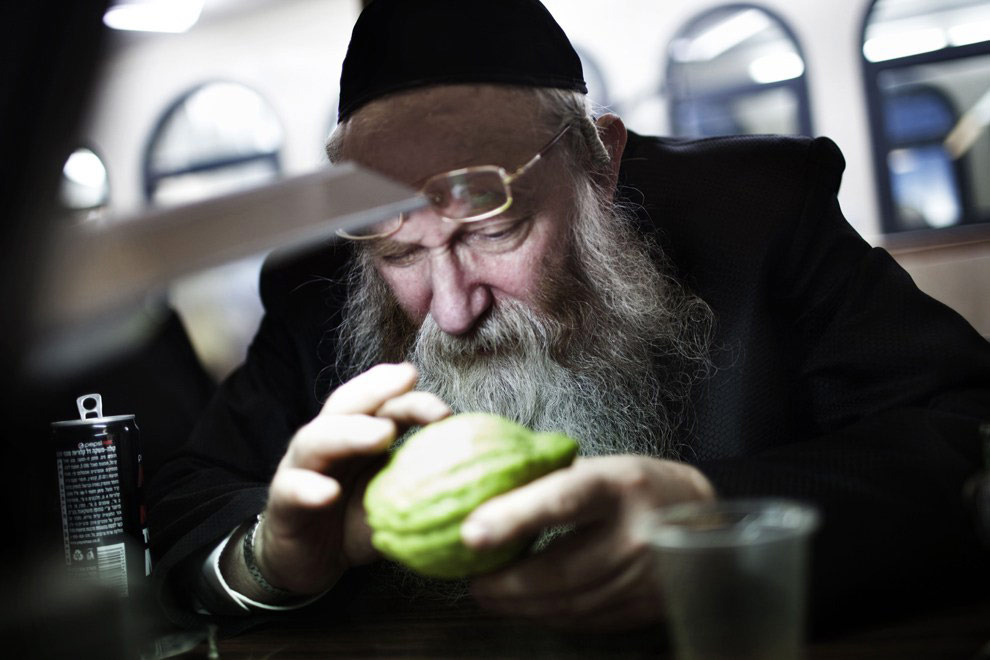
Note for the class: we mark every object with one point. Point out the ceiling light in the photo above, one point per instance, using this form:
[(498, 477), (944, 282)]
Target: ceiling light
[(776, 67), (904, 43), (721, 37), (154, 15)]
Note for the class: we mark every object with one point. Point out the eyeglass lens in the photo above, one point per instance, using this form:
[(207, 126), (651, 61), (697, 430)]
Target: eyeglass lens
[(463, 195)]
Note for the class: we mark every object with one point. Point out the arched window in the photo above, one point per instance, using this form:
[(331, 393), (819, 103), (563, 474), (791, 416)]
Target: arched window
[(737, 69), (219, 137), (927, 75)]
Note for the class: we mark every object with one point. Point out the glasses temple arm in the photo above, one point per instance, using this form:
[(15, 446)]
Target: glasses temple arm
[(540, 154)]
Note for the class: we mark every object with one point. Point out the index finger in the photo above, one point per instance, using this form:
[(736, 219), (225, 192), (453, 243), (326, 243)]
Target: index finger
[(365, 394)]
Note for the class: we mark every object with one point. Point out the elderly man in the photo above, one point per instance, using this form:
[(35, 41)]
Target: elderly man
[(698, 314)]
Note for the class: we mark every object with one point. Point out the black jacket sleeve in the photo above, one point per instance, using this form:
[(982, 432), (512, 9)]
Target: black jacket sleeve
[(220, 477)]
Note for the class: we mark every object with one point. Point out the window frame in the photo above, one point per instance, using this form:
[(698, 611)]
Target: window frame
[(880, 145), (799, 85), (150, 180)]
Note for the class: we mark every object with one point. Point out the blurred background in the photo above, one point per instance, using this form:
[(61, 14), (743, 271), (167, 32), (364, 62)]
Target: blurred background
[(196, 98)]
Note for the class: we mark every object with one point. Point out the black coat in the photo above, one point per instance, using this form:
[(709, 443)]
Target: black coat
[(838, 381)]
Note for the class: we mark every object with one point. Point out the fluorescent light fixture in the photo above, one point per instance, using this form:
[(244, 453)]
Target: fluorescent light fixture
[(904, 43), (969, 33), (90, 270), (154, 15), (776, 67), (721, 37)]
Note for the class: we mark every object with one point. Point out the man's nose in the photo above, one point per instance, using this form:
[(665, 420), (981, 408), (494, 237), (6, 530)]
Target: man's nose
[(458, 299)]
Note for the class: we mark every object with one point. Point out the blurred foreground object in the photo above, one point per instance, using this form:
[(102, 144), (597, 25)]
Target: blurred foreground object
[(100, 481), (49, 57), (94, 277)]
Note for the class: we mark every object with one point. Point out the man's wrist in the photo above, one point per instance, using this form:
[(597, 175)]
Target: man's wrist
[(250, 549), (220, 596), (238, 574)]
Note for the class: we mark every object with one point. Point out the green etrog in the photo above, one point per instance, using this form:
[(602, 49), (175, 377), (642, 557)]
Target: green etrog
[(416, 504)]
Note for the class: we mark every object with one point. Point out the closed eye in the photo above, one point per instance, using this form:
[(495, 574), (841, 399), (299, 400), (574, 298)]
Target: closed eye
[(398, 254), (498, 231)]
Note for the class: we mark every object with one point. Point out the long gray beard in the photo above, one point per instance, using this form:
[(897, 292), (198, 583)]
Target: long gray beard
[(608, 355), (507, 367)]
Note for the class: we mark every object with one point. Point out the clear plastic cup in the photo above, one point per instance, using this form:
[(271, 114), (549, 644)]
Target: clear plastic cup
[(734, 576)]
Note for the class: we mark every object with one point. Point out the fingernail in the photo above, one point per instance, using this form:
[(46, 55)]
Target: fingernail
[(474, 533)]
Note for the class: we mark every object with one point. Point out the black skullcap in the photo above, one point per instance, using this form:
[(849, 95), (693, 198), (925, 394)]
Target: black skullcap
[(402, 44)]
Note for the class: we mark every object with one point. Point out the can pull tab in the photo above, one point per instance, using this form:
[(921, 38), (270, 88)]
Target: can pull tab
[(90, 406)]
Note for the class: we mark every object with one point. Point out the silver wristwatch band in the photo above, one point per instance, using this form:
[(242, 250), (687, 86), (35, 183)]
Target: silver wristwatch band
[(252, 565)]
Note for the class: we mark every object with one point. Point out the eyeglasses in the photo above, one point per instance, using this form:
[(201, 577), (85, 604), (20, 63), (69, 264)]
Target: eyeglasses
[(464, 195)]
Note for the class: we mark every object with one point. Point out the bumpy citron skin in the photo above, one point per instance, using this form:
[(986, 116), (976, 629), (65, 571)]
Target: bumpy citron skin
[(416, 504)]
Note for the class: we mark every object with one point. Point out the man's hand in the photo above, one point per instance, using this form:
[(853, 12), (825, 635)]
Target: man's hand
[(314, 527), (601, 576)]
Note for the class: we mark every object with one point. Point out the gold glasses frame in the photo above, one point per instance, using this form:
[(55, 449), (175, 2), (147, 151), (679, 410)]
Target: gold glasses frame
[(507, 178)]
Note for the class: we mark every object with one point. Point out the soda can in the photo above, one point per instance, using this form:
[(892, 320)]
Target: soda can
[(100, 480)]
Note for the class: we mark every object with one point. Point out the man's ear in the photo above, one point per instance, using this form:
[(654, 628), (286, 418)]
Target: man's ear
[(612, 132)]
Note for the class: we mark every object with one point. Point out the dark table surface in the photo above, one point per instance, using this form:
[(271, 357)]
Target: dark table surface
[(45, 619), (461, 630)]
